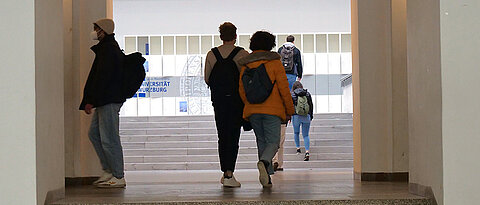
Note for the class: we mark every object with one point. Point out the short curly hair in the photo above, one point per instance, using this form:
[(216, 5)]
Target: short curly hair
[(262, 40), (290, 38), (228, 31)]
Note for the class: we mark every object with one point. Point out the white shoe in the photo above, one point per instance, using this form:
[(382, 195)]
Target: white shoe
[(231, 182), (105, 177), (114, 182), (263, 174)]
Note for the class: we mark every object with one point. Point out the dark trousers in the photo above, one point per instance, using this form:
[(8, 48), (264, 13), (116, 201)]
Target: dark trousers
[(228, 118)]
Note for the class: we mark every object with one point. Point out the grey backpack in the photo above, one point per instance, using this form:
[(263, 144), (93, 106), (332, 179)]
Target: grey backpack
[(287, 58)]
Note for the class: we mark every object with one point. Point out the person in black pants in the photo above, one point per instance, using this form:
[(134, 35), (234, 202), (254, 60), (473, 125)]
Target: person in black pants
[(222, 76)]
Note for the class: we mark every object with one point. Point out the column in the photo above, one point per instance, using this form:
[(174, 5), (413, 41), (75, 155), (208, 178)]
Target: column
[(31, 85), (379, 90), (80, 158)]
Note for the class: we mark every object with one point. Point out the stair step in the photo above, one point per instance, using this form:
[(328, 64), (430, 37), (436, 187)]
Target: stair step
[(214, 151), (190, 143), (239, 165), (240, 158), (214, 137), (156, 131), (211, 124), (350, 201), (214, 144)]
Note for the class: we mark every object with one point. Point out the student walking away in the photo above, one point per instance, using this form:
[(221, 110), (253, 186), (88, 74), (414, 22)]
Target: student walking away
[(278, 158), (103, 92), (302, 101), (222, 75), (264, 90), (291, 60)]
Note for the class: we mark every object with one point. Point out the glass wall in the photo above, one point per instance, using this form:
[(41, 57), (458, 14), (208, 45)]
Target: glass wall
[(174, 84)]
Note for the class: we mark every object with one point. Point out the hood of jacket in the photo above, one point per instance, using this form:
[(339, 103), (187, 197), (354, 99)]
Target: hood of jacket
[(300, 92), (257, 56), (289, 44)]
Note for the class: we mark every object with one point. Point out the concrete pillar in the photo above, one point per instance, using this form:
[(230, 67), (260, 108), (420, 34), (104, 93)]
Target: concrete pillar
[(425, 99), (380, 95), (443, 81), (80, 157), (460, 78), (31, 85)]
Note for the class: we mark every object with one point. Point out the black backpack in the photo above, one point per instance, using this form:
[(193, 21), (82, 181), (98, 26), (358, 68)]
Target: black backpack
[(133, 74), (223, 80), (257, 84), (287, 54)]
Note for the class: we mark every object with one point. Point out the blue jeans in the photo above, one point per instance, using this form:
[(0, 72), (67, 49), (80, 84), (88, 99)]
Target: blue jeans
[(105, 137), (291, 79), (304, 121), (267, 132)]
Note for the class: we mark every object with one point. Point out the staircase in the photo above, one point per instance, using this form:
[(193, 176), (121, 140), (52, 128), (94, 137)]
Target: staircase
[(190, 143)]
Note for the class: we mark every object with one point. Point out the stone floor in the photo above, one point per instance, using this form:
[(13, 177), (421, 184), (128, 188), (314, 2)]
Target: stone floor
[(335, 186)]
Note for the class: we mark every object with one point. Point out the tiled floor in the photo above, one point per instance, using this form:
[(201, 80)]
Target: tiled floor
[(290, 185)]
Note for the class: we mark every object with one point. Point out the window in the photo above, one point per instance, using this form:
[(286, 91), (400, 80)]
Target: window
[(193, 45), (168, 45)]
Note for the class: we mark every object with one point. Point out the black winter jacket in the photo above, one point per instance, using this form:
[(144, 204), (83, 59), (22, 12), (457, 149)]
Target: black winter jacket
[(104, 83), (297, 62), (303, 92)]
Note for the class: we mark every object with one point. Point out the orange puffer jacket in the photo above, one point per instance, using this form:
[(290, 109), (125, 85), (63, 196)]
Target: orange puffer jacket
[(279, 103)]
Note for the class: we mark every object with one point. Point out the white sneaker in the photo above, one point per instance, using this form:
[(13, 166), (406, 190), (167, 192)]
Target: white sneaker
[(231, 182), (263, 174), (105, 177), (114, 182)]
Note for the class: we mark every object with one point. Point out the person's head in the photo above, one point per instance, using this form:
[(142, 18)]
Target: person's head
[(290, 38), (228, 32), (102, 28), (262, 40), (296, 85)]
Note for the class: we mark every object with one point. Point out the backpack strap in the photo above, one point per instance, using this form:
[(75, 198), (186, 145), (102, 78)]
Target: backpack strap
[(217, 54), (219, 57), (234, 53)]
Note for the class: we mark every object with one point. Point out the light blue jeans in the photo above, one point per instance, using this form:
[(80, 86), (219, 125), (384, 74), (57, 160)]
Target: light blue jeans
[(105, 137), (291, 79), (267, 132), (304, 121)]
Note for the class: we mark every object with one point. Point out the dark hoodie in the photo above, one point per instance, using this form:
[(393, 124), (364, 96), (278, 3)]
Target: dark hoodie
[(104, 81), (303, 92)]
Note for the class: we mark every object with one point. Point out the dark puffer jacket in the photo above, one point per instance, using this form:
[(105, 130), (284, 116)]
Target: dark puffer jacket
[(104, 83), (303, 92)]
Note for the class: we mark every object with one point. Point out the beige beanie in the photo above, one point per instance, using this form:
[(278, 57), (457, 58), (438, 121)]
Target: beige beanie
[(106, 25)]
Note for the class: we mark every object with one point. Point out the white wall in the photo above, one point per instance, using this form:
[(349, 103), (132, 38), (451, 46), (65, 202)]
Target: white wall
[(17, 103), (424, 98), (80, 157), (49, 100), (31, 105), (460, 46), (134, 17), (380, 146)]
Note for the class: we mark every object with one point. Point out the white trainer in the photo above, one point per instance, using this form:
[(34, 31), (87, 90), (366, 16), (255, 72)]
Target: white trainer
[(263, 176), (114, 182), (231, 182), (105, 177)]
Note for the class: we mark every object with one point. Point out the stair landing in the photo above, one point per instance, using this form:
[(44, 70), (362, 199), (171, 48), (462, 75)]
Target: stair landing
[(202, 187)]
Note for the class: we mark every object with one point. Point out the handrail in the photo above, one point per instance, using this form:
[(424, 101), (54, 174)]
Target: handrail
[(346, 80)]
